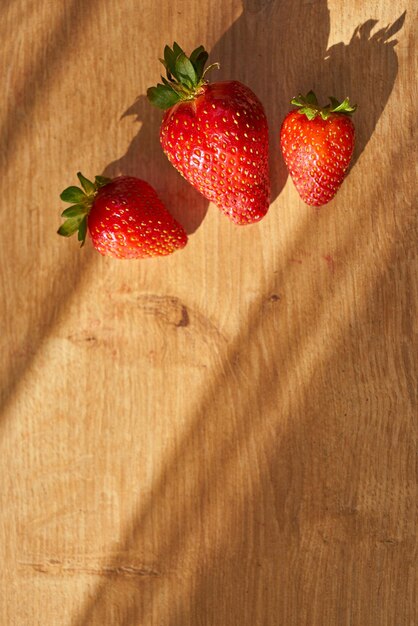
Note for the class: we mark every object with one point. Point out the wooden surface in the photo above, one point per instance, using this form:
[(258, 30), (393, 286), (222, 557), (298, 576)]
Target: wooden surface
[(226, 437)]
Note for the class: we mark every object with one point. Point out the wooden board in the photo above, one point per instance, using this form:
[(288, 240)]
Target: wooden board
[(226, 436)]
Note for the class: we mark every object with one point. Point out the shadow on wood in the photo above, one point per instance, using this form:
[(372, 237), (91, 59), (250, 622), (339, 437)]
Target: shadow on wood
[(294, 490), (58, 291), (278, 49), (145, 159), (298, 487)]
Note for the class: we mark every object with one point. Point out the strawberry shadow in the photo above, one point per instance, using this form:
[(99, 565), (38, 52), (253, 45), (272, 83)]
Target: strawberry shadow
[(280, 49), (288, 54), (145, 159), (364, 69), (291, 41), (260, 50), (266, 24)]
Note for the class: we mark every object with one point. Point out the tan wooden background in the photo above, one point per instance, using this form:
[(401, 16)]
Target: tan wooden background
[(225, 437)]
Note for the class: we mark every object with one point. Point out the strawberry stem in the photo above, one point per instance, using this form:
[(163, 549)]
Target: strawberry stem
[(81, 200), (309, 106)]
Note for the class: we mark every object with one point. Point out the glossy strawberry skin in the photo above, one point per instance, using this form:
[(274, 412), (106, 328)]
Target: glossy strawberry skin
[(219, 143), (127, 220), (317, 154)]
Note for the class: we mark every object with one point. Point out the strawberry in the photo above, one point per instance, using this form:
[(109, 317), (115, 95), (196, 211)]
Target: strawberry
[(317, 145), (215, 135), (124, 217)]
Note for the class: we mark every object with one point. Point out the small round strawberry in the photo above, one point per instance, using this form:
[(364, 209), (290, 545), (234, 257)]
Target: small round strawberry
[(124, 217), (215, 135), (317, 145)]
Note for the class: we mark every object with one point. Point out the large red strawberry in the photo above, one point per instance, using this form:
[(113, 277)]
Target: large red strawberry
[(317, 145), (216, 135), (124, 217)]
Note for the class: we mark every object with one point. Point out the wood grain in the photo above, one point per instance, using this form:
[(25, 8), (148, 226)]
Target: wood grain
[(228, 436)]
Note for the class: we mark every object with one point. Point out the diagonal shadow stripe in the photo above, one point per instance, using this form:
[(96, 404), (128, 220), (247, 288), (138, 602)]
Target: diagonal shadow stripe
[(58, 46), (238, 369), (38, 77), (164, 482)]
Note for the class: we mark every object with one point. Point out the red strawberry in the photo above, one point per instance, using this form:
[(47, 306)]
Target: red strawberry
[(317, 145), (215, 135), (124, 217)]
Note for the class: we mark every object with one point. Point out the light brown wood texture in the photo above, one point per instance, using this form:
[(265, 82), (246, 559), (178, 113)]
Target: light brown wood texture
[(224, 437)]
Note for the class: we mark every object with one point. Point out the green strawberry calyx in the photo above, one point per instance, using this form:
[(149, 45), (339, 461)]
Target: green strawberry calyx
[(81, 200), (308, 105), (185, 77)]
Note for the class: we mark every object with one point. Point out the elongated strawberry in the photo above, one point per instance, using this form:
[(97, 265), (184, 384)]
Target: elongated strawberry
[(317, 145), (215, 135), (124, 217)]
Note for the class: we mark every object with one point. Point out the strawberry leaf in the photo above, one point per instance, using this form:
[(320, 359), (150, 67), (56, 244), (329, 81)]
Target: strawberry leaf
[(170, 57), (198, 58), (196, 52), (82, 231), (75, 211), (200, 62), (73, 195), (334, 102), (177, 51), (310, 113), (70, 226), (311, 98), (171, 85), (163, 96), (101, 181), (298, 101), (344, 107), (184, 69), (87, 185)]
